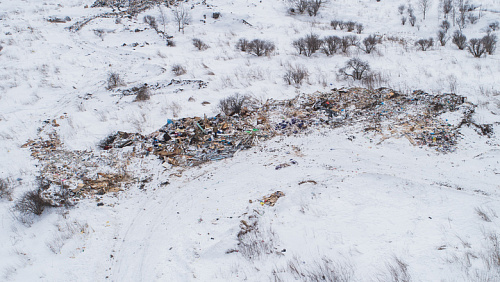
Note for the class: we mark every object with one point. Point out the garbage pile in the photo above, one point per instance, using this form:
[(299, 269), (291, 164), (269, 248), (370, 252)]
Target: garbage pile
[(272, 199)]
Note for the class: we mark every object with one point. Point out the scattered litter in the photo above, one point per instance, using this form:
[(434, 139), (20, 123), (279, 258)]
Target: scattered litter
[(283, 165), (308, 181), (271, 200)]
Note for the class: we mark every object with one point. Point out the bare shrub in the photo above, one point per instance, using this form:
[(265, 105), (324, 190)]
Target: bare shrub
[(295, 74), (494, 26), (397, 271), (142, 93), (401, 9), (323, 270), (308, 45), (355, 68), (170, 42), (472, 18), (313, 7), (234, 104), (243, 45), (447, 7), (348, 41), (260, 47), (342, 25), (114, 81), (412, 20), (5, 190), (424, 6), (483, 214), (100, 33), (350, 26), (373, 80), (489, 42), (459, 39), (442, 37), (331, 44), (359, 28), (334, 24), (424, 44), (369, 43), (476, 47), (151, 21), (181, 16), (32, 202), (178, 69), (491, 257), (403, 20), (445, 25), (198, 44)]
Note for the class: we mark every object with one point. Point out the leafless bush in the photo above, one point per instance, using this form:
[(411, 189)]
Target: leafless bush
[(401, 9), (424, 6), (5, 190), (447, 7), (445, 25), (114, 81), (323, 270), (308, 45), (359, 28), (369, 43), (494, 26), (424, 44), (151, 21), (178, 69), (489, 42), (313, 7), (483, 214), (181, 16), (412, 20), (234, 104), (492, 256), (100, 33), (355, 68), (32, 202), (442, 37), (142, 93), (342, 25), (476, 47), (459, 39), (243, 45), (348, 41), (397, 271), (334, 24), (170, 43), (350, 26), (260, 47), (331, 44), (198, 44), (403, 20), (472, 18), (295, 74), (373, 80)]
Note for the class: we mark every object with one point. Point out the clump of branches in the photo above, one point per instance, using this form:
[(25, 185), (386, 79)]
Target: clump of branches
[(442, 37), (476, 47), (178, 69), (257, 47), (151, 21), (424, 44), (355, 68), (369, 43), (459, 39), (310, 6), (295, 74), (308, 45), (348, 41), (397, 271), (5, 190), (445, 25), (331, 45), (234, 104), (490, 43), (142, 93), (114, 81), (200, 45), (33, 202)]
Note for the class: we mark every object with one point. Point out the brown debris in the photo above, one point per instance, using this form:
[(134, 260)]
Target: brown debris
[(272, 199)]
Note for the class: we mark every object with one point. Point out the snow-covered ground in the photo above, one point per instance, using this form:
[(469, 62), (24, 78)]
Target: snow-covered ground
[(369, 211)]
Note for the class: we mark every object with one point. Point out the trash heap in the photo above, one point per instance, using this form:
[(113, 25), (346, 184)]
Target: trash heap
[(193, 141)]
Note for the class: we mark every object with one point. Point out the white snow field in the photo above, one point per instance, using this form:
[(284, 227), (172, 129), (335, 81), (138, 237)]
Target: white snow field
[(356, 207)]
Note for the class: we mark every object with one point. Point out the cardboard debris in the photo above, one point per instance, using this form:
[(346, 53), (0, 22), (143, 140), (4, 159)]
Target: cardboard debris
[(272, 199)]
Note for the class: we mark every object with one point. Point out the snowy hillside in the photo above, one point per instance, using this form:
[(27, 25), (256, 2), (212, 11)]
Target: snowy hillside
[(120, 162)]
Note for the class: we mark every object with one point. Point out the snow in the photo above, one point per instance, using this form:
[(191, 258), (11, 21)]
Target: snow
[(362, 203)]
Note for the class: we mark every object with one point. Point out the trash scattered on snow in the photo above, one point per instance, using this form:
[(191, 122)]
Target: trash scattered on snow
[(272, 199)]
